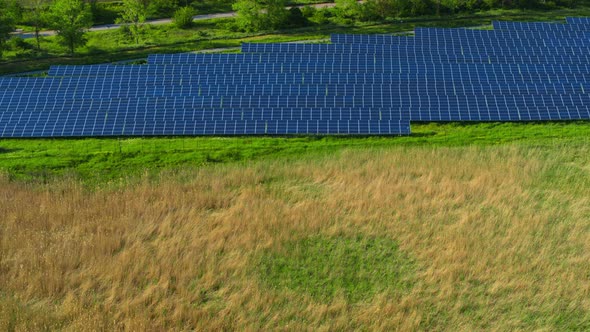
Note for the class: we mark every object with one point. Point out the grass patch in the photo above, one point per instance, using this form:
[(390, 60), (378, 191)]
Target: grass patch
[(325, 267), (96, 160), (497, 235)]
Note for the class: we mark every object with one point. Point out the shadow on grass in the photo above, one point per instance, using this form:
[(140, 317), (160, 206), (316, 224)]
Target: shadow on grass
[(5, 150), (424, 134)]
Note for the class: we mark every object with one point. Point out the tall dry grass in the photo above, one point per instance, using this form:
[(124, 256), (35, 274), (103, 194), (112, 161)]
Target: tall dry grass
[(500, 237)]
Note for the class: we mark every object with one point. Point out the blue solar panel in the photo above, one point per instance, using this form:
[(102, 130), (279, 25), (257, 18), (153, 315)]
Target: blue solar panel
[(82, 127), (409, 49), (311, 67), (578, 20), (367, 85), (450, 51), (538, 26), (93, 88)]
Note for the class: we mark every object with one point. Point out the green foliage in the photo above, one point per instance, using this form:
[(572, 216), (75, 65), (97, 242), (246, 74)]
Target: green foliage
[(36, 16), (163, 8), (70, 19), (296, 18), (106, 12), (326, 267), (254, 15), (9, 14), (347, 11), (183, 17), (249, 15), (134, 13), (276, 15), (315, 16), (20, 47)]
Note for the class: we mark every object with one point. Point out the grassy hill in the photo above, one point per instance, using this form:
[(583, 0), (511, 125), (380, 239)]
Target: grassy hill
[(461, 233)]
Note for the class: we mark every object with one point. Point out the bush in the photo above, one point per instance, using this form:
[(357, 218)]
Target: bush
[(316, 16), (18, 44), (162, 8), (183, 17), (296, 18)]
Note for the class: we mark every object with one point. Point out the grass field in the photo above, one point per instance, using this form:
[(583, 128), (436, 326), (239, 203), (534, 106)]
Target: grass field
[(96, 160), (459, 227)]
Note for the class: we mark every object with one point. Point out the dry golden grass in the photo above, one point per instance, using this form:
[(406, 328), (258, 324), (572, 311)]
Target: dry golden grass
[(500, 237)]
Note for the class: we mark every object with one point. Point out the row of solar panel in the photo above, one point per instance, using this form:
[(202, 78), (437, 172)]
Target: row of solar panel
[(549, 38), (84, 127), (578, 20), (539, 26), (272, 68), (507, 78), (415, 48), (397, 104), (261, 58), (302, 61), (412, 50), (337, 64), (281, 83), (424, 113), (291, 79), (455, 41), (367, 91), (457, 37), (114, 114), (298, 80)]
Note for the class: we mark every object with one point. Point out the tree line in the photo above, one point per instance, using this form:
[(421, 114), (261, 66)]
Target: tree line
[(71, 18), (257, 15)]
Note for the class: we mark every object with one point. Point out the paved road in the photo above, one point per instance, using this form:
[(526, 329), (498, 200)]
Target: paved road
[(159, 21)]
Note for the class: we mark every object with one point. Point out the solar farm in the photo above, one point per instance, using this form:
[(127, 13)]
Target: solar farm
[(356, 85)]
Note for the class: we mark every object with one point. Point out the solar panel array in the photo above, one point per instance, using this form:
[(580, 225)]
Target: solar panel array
[(356, 85)]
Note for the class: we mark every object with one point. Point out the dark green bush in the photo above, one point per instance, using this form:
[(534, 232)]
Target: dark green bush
[(183, 17)]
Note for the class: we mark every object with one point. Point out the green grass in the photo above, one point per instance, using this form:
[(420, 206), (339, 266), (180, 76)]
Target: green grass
[(105, 159), (324, 268)]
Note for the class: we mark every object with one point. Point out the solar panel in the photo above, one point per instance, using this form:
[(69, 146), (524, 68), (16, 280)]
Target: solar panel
[(482, 37), (538, 26), (578, 20), (99, 88), (360, 85), (423, 51), (312, 67), (405, 49), (83, 127)]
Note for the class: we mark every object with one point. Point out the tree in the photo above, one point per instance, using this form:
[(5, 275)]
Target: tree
[(256, 15), (277, 16), (347, 10), (70, 19), (9, 12), (183, 18), (6, 26), (164, 8), (37, 17), (249, 15), (134, 13)]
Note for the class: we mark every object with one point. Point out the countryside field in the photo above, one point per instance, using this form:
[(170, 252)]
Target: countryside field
[(458, 227)]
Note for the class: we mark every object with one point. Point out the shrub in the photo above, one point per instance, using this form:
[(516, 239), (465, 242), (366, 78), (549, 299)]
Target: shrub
[(183, 17)]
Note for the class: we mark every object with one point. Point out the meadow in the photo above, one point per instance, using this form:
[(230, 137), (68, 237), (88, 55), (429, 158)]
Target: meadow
[(458, 227), (99, 160)]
